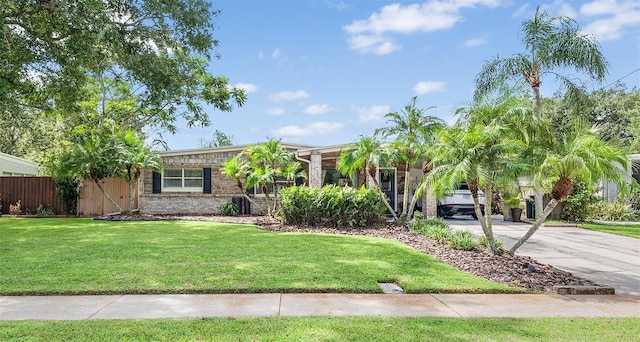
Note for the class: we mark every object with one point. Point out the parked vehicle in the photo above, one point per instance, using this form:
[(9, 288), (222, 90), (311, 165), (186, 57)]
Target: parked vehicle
[(459, 202)]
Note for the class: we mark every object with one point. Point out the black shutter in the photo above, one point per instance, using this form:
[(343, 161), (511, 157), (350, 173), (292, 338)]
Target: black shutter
[(156, 183), (206, 189)]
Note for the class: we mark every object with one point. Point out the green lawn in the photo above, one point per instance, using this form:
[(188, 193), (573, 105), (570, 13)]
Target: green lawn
[(83, 256), (630, 230), (327, 329)]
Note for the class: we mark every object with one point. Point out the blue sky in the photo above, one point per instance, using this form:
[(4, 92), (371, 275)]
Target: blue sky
[(325, 72)]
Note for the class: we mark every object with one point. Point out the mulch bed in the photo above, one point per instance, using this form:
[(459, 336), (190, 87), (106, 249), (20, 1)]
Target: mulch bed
[(517, 270)]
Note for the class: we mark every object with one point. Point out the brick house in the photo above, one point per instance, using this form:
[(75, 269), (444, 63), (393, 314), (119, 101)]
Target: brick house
[(192, 182)]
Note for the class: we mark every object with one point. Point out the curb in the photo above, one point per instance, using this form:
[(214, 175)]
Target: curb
[(583, 290)]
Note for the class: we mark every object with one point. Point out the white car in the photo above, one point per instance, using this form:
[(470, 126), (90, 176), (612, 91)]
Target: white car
[(459, 202)]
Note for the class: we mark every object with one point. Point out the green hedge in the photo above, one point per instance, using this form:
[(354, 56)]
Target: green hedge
[(331, 206)]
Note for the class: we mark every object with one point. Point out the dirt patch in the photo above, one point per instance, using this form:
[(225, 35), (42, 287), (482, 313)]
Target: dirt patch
[(519, 271)]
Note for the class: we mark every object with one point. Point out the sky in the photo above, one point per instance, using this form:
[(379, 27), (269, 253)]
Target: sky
[(324, 73)]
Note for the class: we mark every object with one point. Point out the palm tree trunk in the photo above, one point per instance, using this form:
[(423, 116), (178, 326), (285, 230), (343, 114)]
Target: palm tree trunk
[(382, 195), (97, 181), (547, 210), (405, 196)]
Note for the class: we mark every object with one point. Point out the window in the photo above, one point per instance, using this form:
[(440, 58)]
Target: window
[(182, 180)]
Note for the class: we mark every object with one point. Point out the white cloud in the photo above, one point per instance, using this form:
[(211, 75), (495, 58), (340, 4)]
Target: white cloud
[(373, 114), (372, 35), (289, 95), (248, 87), (276, 53), (337, 5), (611, 17), (424, 87), (260, 55), (473, 42), (316, 128), (315, 109), (275, 111)]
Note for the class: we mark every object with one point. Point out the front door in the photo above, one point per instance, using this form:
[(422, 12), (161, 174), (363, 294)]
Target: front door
[(387, 180)]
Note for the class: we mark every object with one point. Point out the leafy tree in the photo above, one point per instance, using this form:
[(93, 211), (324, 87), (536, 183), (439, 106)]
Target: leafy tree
[(412, 131), (368, 155), (580, 154), (151, 53), (553, 44), (219, 139)]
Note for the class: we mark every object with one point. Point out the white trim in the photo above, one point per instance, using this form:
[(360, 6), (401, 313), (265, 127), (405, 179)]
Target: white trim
[(222, 149), (182, 178)]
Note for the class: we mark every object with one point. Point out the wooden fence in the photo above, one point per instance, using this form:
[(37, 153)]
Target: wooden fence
[(91, 201), (35, 191), (31, 192)]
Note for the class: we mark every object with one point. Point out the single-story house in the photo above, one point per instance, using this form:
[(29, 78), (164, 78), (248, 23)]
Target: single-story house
[(14, 166), (192, 182)]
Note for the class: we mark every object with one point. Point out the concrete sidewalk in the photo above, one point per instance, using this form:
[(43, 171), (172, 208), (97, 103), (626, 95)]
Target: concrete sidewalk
[(325, 304)]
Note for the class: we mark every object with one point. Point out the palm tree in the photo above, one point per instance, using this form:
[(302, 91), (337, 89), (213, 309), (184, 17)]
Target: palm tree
[(238, 168), (551, 43), (579, 154), (368, 155), (478, 155), (97, 157), (134, 158), (412, 130), (270, 161)]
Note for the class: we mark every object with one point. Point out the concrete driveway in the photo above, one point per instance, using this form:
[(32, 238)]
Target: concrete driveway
[(607, 259)]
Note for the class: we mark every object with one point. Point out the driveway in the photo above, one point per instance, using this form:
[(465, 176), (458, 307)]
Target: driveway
[(607, 259)]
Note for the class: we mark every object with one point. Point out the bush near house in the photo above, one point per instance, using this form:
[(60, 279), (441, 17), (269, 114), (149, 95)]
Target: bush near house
[(331, 206)]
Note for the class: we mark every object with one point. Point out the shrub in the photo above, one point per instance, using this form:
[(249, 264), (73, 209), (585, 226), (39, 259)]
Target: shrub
[(229, 209), (434, 228), (462, 239), (68, 190), (331, 205), (579, 204), (616, 211), (41, 211), (483, 242)]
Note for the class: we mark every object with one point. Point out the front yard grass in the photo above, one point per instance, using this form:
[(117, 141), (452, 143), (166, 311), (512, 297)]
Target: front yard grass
[(327, 329), (626, 230), (83, 256)]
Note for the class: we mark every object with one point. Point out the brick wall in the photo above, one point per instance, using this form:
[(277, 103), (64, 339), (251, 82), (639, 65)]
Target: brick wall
[(222, 188)]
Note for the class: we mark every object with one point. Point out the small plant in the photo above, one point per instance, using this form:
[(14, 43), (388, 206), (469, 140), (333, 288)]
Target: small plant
[(41, 211), (434, 228), (16, 207), (483, 242), (462, 240), (616, 211), (230, 209)]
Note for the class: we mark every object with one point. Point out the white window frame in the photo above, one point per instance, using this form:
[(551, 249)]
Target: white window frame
[(183, 188)]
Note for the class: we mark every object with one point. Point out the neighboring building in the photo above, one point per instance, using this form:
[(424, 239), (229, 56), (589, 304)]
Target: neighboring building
[(14, 166), (610, 190), (192, 183)]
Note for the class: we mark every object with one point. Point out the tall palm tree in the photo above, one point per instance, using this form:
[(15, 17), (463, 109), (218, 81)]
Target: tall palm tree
[(552, 44), (579, 154), (412, 130), (368, 155)]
